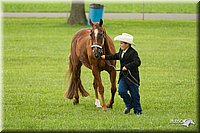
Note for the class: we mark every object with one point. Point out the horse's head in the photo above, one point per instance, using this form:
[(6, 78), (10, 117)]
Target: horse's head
[(97, 35)]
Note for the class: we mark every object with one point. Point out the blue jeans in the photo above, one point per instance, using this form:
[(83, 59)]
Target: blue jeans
[(131, 99)]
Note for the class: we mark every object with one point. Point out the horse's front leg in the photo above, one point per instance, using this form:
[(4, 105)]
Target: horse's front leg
[(97, 102), (98, 81)]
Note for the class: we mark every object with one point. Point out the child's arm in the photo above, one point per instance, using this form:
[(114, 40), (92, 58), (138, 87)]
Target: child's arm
[(111, 57), (135, 63)]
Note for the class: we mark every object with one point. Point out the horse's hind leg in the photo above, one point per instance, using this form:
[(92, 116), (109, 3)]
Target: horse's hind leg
[(76, 96), (77, 83), (113, 88)]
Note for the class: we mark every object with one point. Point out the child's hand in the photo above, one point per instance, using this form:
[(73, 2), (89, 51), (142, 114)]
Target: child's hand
[(124, 68), (103, 56)]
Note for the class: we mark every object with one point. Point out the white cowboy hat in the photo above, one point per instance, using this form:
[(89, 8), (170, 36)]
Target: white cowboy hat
[(125, 37)]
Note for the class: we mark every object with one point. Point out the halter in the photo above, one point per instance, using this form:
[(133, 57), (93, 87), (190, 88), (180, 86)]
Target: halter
[(98, 46)]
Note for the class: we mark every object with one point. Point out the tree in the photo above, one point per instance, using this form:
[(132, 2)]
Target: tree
[(77, 15)]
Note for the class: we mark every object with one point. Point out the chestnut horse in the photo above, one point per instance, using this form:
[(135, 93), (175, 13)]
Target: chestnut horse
[(86, 48)]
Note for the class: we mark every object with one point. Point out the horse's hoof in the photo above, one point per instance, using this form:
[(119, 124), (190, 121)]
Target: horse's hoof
[(109, 106), (75, 102), (105, 110)]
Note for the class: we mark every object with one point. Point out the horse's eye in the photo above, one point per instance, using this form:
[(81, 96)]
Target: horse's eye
[(91, 33), (100, 34)]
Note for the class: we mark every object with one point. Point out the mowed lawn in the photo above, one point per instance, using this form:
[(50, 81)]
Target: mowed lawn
[(35, 54), (119, 7)]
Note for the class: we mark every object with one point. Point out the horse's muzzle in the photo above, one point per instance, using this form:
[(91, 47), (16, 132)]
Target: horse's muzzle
[(98, 53), (97, 50)]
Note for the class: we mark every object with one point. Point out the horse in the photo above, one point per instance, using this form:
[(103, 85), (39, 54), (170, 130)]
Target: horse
[(87, 46)]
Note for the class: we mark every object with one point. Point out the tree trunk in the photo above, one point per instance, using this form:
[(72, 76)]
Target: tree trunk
[(77, 15)]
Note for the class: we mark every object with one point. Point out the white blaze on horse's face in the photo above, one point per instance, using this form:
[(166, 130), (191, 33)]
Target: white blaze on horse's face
[(96, 32)]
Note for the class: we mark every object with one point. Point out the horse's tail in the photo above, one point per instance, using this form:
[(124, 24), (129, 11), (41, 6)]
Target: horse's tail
[(70, 91), (70, 67), (75, 81)]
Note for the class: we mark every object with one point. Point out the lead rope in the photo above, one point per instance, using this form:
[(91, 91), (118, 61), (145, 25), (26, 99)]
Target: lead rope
[(135, 82)]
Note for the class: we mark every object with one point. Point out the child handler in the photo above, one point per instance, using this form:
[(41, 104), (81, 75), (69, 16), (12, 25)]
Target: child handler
[(129, 79)]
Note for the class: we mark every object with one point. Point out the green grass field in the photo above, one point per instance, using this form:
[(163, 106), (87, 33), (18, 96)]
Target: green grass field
[(156, 7), (35, 53)]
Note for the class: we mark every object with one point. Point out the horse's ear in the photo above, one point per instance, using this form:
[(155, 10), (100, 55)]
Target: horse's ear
[(101, 22), (91, 22)]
